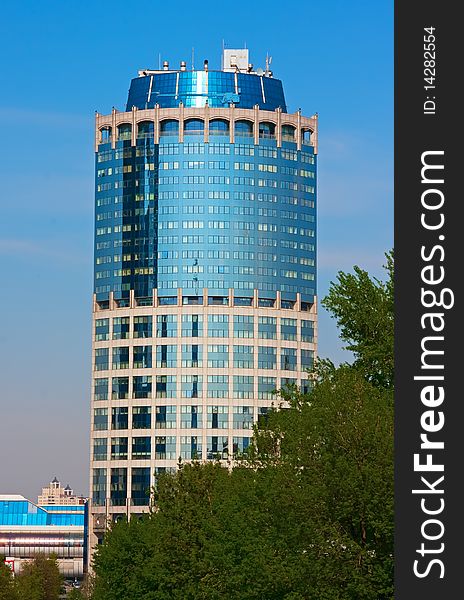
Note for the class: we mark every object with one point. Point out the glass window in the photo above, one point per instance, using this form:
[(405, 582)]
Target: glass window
[(142, 357), (218, 127), (288, 329), (143, 327), (101, 388), (243, 357), (100, 449), (120, 388), (218, 386), (141, 417), (267, 357), (288, 359), (191, 417), (243, 386), (267, 328), (307, 357), (120, 357), (165, 447), (169, 127), (243, 326), (243, 417), (218, 356), (287, 382), (218, 326), (102, 329), (118, 487), (192, 355), (99, 487), (191, 447), (166, 326), (119, 448), (165, 417), (141, 447), (120, 417), (124, 132), (307, 331), (192, 325), (192, 386), (217, 447), (243, 128), (166, 386), (101, 359), (140, 487), (166, 356), (240, 444), (141, 386), (100, 419), (218, 417), (266, 388), (121, 328), (194, 126)]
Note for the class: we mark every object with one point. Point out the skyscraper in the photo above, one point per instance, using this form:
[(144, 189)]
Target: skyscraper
[(205, 272)]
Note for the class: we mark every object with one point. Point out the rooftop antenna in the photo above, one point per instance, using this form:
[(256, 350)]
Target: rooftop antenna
[(268, 62), (159, 61), (193, 58)]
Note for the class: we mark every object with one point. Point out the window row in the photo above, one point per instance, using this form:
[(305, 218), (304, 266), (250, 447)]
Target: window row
[(213, 356), (161, 448), (172, 417), (217, 325), (170, 127)]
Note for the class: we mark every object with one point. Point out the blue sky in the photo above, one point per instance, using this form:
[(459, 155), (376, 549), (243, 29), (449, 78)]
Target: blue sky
[(61, 61)]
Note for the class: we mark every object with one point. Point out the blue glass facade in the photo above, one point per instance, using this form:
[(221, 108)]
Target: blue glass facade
[(24, 512), (198, 214), (198, 88)]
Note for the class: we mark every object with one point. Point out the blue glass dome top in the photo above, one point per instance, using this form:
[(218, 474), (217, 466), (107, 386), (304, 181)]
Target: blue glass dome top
[(198, 88)]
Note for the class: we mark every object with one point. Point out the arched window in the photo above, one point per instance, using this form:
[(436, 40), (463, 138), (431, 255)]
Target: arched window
[(219, 127), (306, 136), (145, 130), (244, 128), (105, 135), (124, 132), (288, 133), (267, 130), (169, 127), (194, 127)]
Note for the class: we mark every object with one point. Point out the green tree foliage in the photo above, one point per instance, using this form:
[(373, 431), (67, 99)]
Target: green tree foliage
[(7, 589), (364, 311), (39, 579), (308, 515)]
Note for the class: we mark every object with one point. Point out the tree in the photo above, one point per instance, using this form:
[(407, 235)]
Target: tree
[(39, 579), (364, 310), (7, 590), (335, 447)]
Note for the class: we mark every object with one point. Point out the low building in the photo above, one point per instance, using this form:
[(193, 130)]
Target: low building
[(27, 529)]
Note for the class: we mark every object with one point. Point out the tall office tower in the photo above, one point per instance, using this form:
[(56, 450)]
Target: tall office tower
[(205, 275)]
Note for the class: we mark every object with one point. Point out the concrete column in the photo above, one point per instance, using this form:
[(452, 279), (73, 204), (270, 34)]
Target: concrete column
[(298, 130), (206, 131), (256, 124), (134, 126), (279, 127), (231, 123), (157, 123), (181, 122), (113, 128)]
